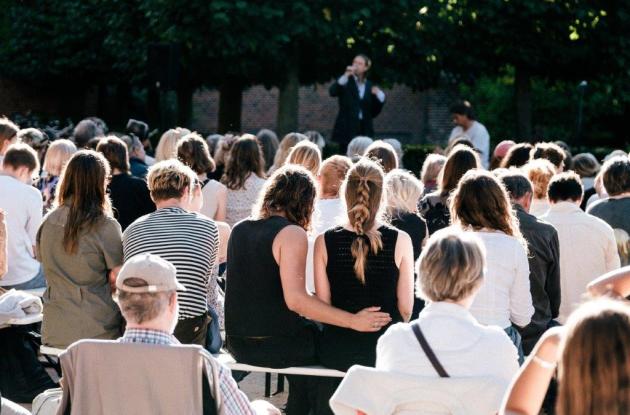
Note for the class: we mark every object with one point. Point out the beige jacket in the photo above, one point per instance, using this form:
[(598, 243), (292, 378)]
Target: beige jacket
[(106, 377)]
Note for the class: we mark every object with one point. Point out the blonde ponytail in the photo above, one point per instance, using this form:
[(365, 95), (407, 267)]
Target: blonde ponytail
[(363, 190)]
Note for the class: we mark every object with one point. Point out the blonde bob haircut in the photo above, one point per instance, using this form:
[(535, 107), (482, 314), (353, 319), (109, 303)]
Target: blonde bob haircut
[(451, 265), (167, 146), (402, 191), (169, 179), (58, 155), (306, 154), (540, 172)]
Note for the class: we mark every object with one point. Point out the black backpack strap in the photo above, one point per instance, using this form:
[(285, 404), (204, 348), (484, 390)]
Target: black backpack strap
[(428, 351)]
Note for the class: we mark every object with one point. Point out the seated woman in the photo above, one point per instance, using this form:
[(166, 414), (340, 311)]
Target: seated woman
[(329, 207), (80, 247), (591, 356), (451, 273), (266, 301), (481, 204), (359, 264), (307, 155)]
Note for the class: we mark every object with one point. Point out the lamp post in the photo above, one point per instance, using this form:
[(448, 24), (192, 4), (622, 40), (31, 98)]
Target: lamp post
[(582, 86)]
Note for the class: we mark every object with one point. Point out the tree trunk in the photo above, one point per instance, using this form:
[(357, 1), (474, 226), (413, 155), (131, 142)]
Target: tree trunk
[(123, 104), (289, 99), (230, 103), (524, 105), (184, 105), (154, 110)]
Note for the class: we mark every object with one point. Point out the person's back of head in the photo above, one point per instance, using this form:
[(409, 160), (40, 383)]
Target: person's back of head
[(384, 154), (614, 153), (33, 137), (398, 148), (138, 128), (192, 150), (616, 175), (290, 190), (594, 370), (357, 147), (286, 144), (451, 266), (213, 141), (517, 184), (170, 179), (499, 153), (316, 138), (586, 165), (431, 168), (565, 187), (85, 131), (58, 155), (269, 142), (82, 190), (8, 134), (480, 202), (115, 151), (549, 151), (245, 159), (363, 193), (458, 162), (540, 172), (167, 146), (517, 155), (462, 140), (21, 156), (402, 190), (306, 154), (331, 175)]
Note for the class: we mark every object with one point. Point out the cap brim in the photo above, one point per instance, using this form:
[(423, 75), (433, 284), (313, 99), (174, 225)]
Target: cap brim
[(180, 287)]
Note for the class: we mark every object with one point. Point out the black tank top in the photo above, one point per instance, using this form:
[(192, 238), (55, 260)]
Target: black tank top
[(254, 300)]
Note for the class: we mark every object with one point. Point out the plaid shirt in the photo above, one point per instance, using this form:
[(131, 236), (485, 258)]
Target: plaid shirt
[(234, 401)]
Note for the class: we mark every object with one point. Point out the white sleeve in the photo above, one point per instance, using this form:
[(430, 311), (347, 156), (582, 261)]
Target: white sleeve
[(386, 348), (380, 95), (521, 307), (343, 79), (35, 214), (612, 255)]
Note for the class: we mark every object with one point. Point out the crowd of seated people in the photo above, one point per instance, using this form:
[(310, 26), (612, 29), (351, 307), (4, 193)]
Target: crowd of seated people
[(348, 262)]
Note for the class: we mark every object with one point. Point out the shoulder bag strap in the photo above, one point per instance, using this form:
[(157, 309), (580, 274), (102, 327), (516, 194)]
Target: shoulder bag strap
[(428, 351)]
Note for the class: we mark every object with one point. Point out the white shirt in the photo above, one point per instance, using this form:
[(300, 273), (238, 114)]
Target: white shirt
[(23, 206), (462, 345), (587, 250), (328, 213), (343, 79), (478, 135), (539, 207), (504, 296)]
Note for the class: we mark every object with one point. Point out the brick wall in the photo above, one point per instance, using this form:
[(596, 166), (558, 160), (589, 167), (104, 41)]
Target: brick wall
[(407, 115)]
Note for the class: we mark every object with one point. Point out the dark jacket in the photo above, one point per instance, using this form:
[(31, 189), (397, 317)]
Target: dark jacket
[(544, 274), (348, 125)]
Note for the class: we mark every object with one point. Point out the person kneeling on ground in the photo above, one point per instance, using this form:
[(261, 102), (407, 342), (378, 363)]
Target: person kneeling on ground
[(147, 298)]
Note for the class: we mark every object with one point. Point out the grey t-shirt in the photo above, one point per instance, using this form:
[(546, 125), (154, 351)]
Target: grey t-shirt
[(78, 302)]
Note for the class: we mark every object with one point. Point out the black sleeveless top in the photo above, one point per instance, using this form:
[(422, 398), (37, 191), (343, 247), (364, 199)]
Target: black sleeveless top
[(340, 348), (254, 300)]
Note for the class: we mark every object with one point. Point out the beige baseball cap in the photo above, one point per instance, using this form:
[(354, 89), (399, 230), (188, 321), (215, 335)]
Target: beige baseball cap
[(159, 274)]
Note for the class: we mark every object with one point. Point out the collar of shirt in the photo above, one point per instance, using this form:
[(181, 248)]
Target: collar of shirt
[(174, 209), (148, 336), (445, 308), (565, 207)]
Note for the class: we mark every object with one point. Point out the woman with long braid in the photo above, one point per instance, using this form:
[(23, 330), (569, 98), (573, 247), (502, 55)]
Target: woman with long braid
[(363, 263)]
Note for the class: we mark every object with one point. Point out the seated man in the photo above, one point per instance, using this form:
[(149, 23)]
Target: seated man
[(147, 295)]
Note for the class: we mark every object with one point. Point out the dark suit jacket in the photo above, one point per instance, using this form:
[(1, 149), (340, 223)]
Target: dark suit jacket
[(348, 125), (544, 274)]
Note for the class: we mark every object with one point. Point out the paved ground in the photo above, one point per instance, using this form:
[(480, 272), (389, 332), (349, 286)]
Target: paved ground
[(254, 387)]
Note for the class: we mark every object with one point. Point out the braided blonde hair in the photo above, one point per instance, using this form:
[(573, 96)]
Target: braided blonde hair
[(363, 189)]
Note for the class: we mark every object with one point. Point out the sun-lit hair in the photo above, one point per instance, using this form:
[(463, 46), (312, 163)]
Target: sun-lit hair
[(616, 175), (539, 172), (58, 155), (290, 190), (357, 147), (306, 154), (481, 202), (398, 148), (169, 179), (384, 154), (286, 144), (623, 245), (245, 159), (461, 159), (82, 189), (432, 167), (517, 155), (8, 130), (115, 151), (594, 370), (451, 265), (192, 150), (363, 192), (269, 143), (549, 151), (167, 146), (332, 173), (402, 190)]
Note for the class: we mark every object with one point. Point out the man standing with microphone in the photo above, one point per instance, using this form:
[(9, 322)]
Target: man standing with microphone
[(359, 102)]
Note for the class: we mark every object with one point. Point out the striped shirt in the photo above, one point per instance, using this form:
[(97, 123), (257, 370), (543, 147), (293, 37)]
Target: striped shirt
[(188, 240)]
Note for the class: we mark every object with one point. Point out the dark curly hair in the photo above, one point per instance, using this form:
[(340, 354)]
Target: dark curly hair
[(290, 190)]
